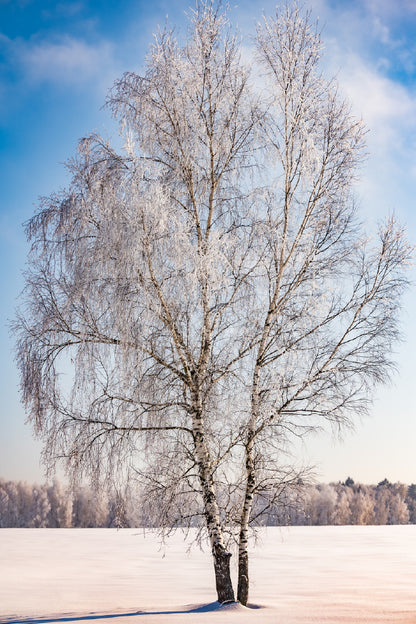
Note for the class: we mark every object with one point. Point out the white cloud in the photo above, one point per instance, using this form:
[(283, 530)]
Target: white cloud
[(67, 61), (58, 64), (379, 99), (382, 32), (388, 109), (63, 61), (390, 8)]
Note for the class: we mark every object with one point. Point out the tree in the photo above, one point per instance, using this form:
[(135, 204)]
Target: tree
[(198, 298), (410, 502), (362, 506), (60, 500), (89, 508), (343, 509), (39, 514)]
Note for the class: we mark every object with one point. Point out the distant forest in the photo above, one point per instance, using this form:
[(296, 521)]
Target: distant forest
[(25, 505)]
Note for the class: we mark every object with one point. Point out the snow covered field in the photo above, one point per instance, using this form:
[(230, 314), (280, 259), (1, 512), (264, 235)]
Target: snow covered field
[(299, 575)]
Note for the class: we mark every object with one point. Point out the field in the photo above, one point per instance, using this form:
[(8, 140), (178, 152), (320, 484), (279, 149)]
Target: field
[(299, 575)]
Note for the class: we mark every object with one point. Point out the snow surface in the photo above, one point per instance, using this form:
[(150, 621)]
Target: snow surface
[(299, 575)]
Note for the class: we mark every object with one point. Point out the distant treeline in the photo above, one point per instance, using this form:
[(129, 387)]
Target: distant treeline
[(348, 503), (58, 506)]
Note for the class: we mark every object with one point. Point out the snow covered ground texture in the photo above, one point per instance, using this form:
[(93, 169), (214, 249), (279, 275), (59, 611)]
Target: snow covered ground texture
[(299, 575)]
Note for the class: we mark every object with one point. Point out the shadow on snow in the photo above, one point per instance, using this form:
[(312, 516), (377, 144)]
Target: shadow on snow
[(212, 606)]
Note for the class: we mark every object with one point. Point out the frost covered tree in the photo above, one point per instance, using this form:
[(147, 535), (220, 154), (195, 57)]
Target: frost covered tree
[(23, 505), (89, 508), (202, 295), (60, 500)]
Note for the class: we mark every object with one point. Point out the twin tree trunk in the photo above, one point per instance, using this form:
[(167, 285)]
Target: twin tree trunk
[(221, 557)]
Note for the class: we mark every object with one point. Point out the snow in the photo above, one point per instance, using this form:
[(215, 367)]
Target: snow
[(299, 575)]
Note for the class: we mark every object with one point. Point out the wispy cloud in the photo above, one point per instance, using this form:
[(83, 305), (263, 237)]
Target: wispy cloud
[(390, 8), (383, 102), (69, 60), (57, 63), (388, 109)]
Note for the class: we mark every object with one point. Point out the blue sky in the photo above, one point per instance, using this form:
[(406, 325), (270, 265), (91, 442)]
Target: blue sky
[(57, 61)]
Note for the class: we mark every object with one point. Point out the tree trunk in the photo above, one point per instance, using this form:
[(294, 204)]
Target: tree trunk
[(225, 591), (243, 584)]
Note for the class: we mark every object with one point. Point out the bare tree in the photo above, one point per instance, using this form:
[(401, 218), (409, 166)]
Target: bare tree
[(201, 296)]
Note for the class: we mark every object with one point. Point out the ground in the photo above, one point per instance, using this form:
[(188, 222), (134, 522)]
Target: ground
[(299, 575)]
